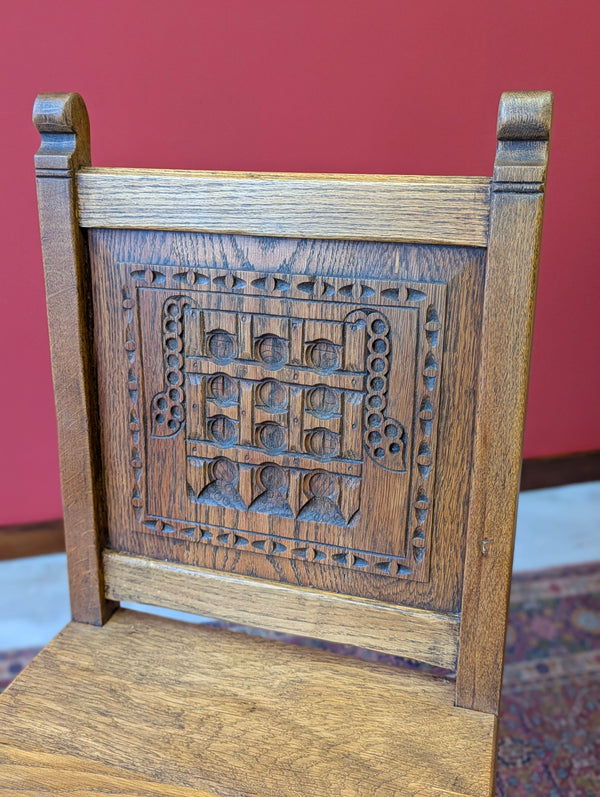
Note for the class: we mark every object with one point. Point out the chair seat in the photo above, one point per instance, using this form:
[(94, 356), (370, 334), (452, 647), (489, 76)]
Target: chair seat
[(150, 706)]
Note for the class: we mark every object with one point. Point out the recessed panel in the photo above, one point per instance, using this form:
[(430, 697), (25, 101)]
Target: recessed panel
[(284, 417), (292, 417)]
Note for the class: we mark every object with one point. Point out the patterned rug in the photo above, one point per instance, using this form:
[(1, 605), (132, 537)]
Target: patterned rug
[(550, 720)]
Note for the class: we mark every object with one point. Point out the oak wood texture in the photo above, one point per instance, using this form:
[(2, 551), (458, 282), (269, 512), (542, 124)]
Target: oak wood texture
[(515, 232), (36, 539), (556, 470), (314, 386), (237, 715), (31, 539), (400, 631), (389, 528), (436, 210), (62, 121), (31, 772)]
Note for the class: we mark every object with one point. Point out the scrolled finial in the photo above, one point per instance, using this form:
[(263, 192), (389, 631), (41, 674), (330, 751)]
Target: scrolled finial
[(523, 132), (63, 122), (525, 116)]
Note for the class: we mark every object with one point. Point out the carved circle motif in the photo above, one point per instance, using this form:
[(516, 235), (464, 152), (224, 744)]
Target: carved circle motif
[(169, 404), (222, 430), (272, 436), (221, 345), (272, 350), (323, 401), (273, 478), (322, 443), (322, 485), (323, 356), (389, 439), (224, 470), (167, 407), (222, 389), (272, 396)]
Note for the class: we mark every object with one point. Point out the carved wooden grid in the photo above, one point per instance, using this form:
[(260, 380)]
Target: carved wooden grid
[(282, 412)]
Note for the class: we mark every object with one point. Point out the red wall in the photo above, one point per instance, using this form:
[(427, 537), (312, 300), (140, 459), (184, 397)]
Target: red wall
[(302, 85)]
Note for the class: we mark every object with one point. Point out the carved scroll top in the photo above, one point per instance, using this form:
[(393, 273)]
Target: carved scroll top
[(525, 116), (524, 122), (62, 120)]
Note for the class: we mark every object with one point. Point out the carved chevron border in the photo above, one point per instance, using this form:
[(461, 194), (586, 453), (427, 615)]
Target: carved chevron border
[(271, 545), (289, 286)]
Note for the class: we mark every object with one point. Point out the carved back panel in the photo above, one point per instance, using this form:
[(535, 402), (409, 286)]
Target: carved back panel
[(296, 401), (289, 408)]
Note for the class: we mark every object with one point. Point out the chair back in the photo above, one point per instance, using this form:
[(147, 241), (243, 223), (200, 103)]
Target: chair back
[(296, 401)]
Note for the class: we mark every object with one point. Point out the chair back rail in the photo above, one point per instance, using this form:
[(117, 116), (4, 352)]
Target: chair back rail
[(436, 210)]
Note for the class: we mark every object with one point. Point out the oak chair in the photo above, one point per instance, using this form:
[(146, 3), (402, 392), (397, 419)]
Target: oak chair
[(295, 402)]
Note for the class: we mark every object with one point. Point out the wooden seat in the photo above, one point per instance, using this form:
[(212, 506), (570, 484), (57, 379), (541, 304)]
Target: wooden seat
[(293, 402), (226, 713)]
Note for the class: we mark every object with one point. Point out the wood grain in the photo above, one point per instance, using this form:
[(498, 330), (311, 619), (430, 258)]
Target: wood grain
[(31, 772), (400, 631), (240, 716), (426, 210), (36, 539), (223, 429), (511, 280), (63, 123), (394, 527)]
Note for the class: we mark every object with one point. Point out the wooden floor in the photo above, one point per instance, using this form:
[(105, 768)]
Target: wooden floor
[(152, 706)]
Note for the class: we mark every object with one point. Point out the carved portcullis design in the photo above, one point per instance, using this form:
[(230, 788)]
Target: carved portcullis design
[(314, 413)]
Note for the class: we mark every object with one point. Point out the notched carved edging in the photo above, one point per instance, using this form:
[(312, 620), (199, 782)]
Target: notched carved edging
[(133, 392), (285, 286), (300, 550), (425, 440)]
